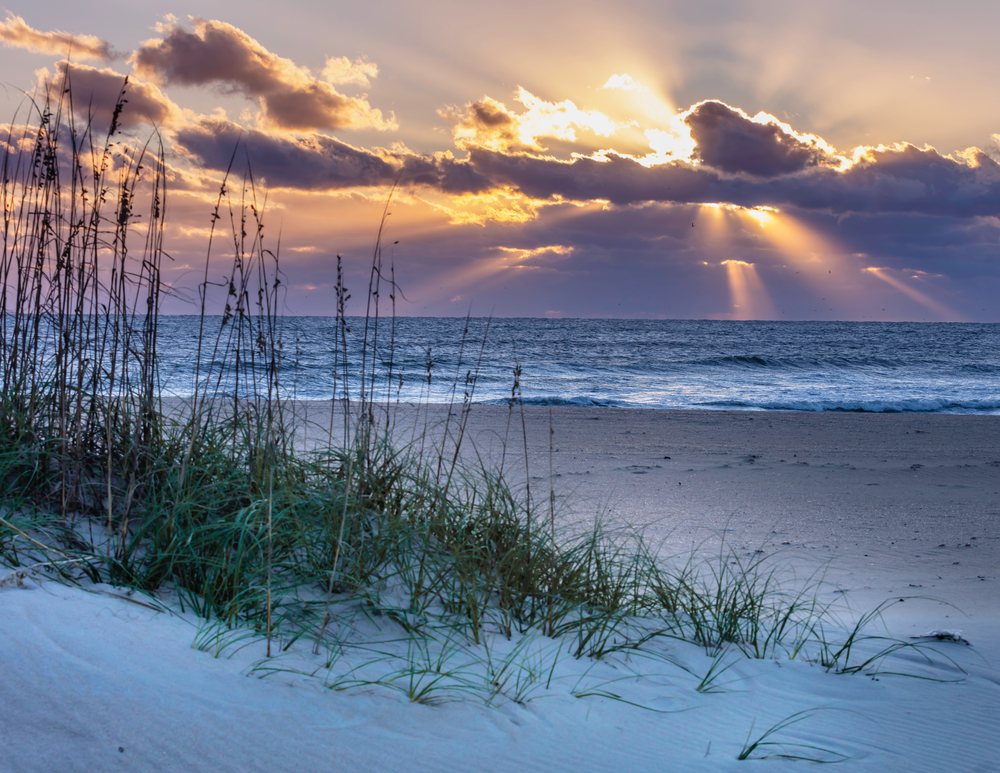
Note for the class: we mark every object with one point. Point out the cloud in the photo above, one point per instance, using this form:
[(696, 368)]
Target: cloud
[(729, 140), (319, 162), (343, 70), (14, 31), (613, 177), (623, 82), (728, 158), (897, 179), (491, 124), (95, 94), (488, 123), (903, 179), (216, 53), (531, 252), (962, 248)]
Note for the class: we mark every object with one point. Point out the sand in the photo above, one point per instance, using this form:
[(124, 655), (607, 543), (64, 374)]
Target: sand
[(891, 499), (884, 506), (888, 502)]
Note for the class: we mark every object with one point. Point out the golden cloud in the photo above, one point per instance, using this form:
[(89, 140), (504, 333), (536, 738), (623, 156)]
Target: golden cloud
[(14, 31), (491, 124)]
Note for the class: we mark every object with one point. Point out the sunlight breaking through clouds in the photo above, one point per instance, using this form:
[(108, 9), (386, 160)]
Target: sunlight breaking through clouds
[(596, 180), (674, 144), (815, 260), (762, 215), (790, 249), (524, 254), (491, 124), (508, 262)]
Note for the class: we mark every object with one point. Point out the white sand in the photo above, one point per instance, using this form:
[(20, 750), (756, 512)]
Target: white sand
[(84, 674)]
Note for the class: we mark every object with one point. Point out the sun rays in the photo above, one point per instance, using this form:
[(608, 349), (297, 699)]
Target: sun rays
[(889, 276), (750, 299), (765, 242), (505, 262)]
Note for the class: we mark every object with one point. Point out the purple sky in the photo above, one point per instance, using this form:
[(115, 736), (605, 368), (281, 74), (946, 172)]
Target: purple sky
[(713, 160)]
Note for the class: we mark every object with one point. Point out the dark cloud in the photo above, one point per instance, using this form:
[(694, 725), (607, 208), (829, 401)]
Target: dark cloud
[(961, 247), (491, 114), (728, 140), (216, 53), (14, 31), (742, 161), (318, 162), (95, 93), (900, 179), (615, 178), (903, 179)]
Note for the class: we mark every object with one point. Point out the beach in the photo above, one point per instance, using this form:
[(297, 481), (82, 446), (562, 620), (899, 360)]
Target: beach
[(644, 426), (869, 508), (878, 495)]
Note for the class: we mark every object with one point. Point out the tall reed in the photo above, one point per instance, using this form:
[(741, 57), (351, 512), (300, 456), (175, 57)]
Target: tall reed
[(83, 229)]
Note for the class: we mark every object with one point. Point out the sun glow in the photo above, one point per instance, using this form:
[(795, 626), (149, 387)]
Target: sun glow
[(749, 298), (647, 117), (553, 249), (793, 239), (762, 215), (674, 144), (447, 285), (496, 206), (558, 119), (624, 82)]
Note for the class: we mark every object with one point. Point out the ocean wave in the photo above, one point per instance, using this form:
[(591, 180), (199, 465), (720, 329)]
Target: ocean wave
[(755, 361), (910, 405), (582, 402), (856, 367)]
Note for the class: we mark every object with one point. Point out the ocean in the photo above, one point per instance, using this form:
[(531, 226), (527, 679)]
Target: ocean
[(711, 365)]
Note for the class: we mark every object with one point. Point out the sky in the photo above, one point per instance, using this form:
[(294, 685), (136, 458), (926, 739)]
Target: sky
[(709, 160)]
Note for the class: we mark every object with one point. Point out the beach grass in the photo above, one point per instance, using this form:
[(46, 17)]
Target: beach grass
[(416, 553), (766, 745)]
